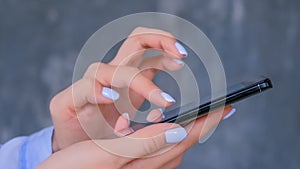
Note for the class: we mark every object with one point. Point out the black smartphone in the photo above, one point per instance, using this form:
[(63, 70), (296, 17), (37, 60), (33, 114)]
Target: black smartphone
[(235, 93)]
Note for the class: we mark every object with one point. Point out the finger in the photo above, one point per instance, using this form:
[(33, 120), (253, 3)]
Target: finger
[(149, 67), (124, 76), (83, 92), (145, 141), (212, 120), (206, 134), (200, 128), (91, 91), (162, 63), (170, 153), (81, 155), (145, 38), (122, 127), (155, 115), (153, 64)]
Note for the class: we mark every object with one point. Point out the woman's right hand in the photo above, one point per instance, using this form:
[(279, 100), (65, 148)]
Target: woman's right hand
[(89, 108)]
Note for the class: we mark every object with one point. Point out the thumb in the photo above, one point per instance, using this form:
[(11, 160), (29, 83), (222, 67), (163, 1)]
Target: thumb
[(144, 141)]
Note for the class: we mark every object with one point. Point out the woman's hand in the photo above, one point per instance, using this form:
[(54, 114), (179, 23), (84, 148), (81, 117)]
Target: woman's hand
[(145, 148), (90, 108)]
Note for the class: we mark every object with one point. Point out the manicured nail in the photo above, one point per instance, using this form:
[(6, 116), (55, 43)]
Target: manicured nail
[(175, 135), (126, 116), (110, 93), (167, 97), (179, 62), (162, 113), (207, 136), (181, 49), (230, 114)]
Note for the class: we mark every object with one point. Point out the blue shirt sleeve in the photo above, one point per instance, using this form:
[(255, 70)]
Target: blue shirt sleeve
[(26, 152)]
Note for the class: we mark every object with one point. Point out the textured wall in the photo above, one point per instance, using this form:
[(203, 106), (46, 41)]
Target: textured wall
[(40, 40)]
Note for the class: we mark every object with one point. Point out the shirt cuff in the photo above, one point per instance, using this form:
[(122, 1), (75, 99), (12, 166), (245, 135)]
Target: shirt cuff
[(36, 148)]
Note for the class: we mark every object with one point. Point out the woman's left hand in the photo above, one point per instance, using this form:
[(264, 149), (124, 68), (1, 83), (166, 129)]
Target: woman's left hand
[(148, 148)]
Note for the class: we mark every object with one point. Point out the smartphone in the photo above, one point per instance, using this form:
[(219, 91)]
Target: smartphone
[(235, 93)]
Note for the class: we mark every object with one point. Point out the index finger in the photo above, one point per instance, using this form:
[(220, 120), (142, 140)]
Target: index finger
[(145, 38)]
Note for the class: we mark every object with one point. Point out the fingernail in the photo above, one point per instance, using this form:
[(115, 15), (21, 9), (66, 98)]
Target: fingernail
[(110, 93), (162, 113), (230, 114), (126, 116), (181, 49), (175, 135), (179, 62), (167, 97), (207, 136)]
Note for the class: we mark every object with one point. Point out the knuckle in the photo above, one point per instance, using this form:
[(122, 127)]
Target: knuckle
[(53, 104), (91, 70), (90, 87), (93, 66), (96, 71), (139, 29), (150, 145)]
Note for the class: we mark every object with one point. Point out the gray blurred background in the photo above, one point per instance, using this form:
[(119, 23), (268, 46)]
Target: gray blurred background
[(40, 40)]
